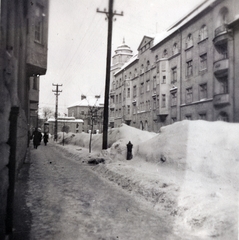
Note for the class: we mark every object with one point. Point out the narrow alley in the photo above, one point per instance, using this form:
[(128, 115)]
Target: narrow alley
[(66, 200)]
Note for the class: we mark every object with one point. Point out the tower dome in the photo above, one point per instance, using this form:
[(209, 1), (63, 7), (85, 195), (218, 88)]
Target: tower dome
[(122, 54)]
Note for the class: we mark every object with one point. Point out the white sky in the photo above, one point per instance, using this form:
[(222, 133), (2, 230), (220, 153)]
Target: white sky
[(77, 41)]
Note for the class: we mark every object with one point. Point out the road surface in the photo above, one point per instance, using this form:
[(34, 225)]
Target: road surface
[(68, 201)]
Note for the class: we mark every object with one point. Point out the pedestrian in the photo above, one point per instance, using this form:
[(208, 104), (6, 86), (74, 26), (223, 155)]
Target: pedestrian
[(45, 137), (36, 138)]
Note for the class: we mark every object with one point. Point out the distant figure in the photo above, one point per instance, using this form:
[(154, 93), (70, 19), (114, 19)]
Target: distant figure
[(45, 137), (36, 138)]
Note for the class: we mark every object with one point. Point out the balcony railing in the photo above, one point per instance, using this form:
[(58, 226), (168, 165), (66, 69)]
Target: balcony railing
[(223, 28), (221, 35), (221, 99), (221, 67)]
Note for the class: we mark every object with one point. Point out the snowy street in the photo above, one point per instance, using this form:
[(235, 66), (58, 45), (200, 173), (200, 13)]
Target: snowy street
[(67, 200)]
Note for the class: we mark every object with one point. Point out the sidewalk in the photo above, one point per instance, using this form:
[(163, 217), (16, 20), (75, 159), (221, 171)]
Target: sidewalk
[(22, 214)]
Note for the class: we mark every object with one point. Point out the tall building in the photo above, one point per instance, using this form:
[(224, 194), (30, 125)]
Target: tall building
[(189, 72), (23, 58)]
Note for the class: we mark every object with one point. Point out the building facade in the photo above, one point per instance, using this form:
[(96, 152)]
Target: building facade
[(65, 124), (90, 110), (188, 72), (23, 58)]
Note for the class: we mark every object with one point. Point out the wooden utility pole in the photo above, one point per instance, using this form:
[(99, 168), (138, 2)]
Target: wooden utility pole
[(56, 112), (110, 14)]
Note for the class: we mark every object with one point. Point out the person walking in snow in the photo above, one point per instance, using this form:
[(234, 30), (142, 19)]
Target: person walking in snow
[(36, 138), (45, 137)]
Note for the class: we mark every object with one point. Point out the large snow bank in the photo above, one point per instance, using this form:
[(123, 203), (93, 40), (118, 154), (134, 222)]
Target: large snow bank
[(190, 170)]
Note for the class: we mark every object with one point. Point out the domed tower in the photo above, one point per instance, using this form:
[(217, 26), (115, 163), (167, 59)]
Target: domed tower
[(122, 54)]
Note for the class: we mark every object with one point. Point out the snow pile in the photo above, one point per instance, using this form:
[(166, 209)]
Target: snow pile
[(203, 158), (189, 171)]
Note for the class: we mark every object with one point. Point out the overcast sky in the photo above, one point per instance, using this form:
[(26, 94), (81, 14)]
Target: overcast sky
[(77, 41)]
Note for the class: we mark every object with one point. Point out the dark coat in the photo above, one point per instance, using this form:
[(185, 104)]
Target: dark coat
[(36, 137)]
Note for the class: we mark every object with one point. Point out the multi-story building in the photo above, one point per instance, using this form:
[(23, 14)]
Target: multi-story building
[(188, 72), (90, 110), (23, 58)]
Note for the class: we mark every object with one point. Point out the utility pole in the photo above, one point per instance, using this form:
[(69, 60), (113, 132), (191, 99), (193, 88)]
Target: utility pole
[(110, 14), (56, 112)]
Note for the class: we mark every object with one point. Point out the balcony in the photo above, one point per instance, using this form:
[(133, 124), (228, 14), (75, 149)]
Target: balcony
[(127, 117), (221, 99), (111, 119), (221, 67), (221, 35), (112, 106)]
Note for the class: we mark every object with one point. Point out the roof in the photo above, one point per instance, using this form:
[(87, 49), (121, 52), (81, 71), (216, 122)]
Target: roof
[(66, 120), (131, 60), (201, 7), (89, 101)]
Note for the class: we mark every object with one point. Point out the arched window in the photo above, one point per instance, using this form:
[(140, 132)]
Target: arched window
[(223, 16), (156, 58), (148, 65), (135, 72), (165, 53), (142, 68), (175, 48), (189, 40), (203, 33)]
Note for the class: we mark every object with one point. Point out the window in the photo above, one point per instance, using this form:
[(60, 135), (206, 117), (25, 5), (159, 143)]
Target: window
[(116, 100), (223, 116), (189, 95), (202, 116), (175, 48), (164, 79), (39, 23), (188, 117), (154, 104), (173, 119), (35, 83), (203, 62), (128, 93), (224, 86), (142, 68), (135, 72), (189, 41), (134, 91), (147, 86), (156, 58), (120, 98), (203, 33), (203, 91), (142, 88), (82, 112), (128, 109), (148, 66), (163, 101), (174, 75), (189, 70), (154, 82), (165, 53), (174, 98)]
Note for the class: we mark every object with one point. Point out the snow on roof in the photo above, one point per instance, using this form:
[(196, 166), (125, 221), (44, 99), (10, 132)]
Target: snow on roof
[(65, 119), (131, 60), (89, 101), (201, 7)]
